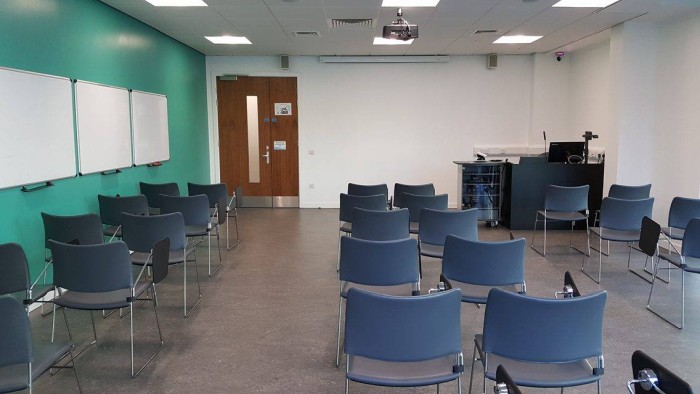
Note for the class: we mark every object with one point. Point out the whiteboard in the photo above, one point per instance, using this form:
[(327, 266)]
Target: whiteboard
[(104, 127), (36, 128), (149, 116)]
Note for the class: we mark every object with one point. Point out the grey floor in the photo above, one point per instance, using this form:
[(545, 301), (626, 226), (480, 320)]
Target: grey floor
[(267, 322)]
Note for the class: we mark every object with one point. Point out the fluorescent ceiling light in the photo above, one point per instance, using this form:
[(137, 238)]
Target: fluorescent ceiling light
[(410, 3), (585, 3), (391, 41), (517, 39), (228, 40), (178, 3)]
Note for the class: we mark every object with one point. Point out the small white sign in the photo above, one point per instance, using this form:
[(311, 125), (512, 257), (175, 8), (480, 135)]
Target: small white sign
[(280, 145), (282, 109)]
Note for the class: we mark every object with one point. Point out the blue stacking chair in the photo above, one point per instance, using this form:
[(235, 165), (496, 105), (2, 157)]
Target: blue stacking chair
[(380, 225), (111, 209), (682, 210), (388, 267), (436, 225), (403, 341), (14, 276), (153, 191), (416, 203), (629, 192), (21, 360), (562, 203), (687, 260), (219, 208), (427, 189), (620, 221), (347, 204), (544, 343), (475, 267)]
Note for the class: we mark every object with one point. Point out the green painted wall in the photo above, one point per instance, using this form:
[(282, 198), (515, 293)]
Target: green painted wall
[(88, 40)]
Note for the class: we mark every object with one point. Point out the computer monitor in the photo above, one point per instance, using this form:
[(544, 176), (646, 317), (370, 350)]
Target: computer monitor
[(559, 152)]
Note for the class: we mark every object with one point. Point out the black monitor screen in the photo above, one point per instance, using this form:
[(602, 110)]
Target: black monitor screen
[(559, 152)]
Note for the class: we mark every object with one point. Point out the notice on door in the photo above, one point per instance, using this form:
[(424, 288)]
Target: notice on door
[(280, 145), (282, 109)]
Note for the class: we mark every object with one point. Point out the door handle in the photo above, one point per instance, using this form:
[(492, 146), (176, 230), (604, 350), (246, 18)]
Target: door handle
[(267, 156)]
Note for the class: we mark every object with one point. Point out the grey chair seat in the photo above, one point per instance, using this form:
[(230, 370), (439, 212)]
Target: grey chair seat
[(616, 235), (532, 374), (405, 289), (692, 264), (401, 374), (113, 231), (563, 216), (673, 232), (432, 250), (346, 227), (413, 227), (97, 301), (141, 258), (196, 231), (14, 377), (478, 294)]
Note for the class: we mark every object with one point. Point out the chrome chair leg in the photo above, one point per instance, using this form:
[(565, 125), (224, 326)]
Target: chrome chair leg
[(653, 282), (534, 231), (600, 261), (184, 290)]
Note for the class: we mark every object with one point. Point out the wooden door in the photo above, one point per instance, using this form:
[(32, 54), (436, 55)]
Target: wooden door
[(258, 139)]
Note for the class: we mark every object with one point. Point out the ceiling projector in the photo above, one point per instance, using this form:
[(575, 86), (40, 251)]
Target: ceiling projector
[(400, 29)]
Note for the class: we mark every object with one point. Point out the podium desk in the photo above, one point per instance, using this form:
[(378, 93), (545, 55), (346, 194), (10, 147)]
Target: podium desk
[(526, 184)]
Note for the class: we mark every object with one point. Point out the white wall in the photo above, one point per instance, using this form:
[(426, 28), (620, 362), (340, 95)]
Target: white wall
[(550, 100), (386, 123)]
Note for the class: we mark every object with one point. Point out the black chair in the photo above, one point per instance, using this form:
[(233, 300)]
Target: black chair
[(651, 376), (427, 189), (111, 209), (21, 360), (218, 197), (195, 211), (153, 191), (99, 277), (142, 232), (14, 276)]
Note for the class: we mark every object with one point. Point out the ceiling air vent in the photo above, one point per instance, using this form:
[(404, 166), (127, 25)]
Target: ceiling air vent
[(307, 34), (486, 31), (351, 23)]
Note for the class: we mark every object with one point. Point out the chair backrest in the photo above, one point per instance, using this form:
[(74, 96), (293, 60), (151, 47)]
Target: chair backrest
[(566, 199), (15, 333), (142, 232), (649, 236), (691, 239), (355, 189), (379, 263), (112, 207), (427, 189), (393, 328), (152, 191), (14, 271), (435, 225), (160, 259), (376, 202), (194, 209), (415, 203), (380, 225), (91, 268), (484, 263), (625, 215), (215, 192), (682, 210), (87, 228), (540, 330), (628, 192)]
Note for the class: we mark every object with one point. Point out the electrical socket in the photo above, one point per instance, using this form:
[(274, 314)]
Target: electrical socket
[(311, 186), (311, 152)]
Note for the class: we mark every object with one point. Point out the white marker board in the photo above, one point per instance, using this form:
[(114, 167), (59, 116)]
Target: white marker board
[(104, 127), (149, 117), (36, 128)]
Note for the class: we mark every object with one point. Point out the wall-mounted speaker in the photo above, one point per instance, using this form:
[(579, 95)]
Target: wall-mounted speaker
[(284, 62), (491, 61)]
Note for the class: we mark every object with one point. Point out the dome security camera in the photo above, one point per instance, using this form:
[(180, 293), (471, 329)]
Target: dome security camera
[(560, 55)]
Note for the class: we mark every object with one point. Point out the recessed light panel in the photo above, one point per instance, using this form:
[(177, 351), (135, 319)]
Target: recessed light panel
[(410, 3), (517, 39), (178, 3), (231, 40), (585, 3), (388, 41)]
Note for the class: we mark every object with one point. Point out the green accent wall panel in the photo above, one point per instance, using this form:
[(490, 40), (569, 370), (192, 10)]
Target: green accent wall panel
[(88, 40)]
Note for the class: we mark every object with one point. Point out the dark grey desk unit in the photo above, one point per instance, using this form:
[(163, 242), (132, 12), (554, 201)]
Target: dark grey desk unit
[(526, 184)]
